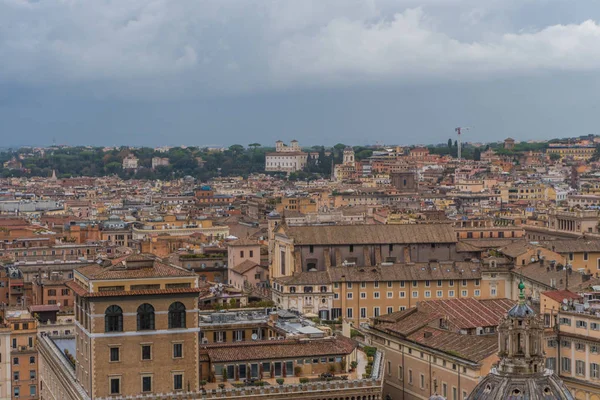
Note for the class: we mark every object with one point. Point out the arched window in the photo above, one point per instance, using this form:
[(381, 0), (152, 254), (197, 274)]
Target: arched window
[(177, 315), (145, 317), (113, 319)]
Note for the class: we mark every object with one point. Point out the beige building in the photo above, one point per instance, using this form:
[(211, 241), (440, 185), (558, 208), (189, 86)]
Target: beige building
[(136, 328), (23, 354), (572, 342), (286, 158), (439, 347)]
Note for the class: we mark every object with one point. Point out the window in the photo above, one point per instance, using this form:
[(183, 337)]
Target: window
[(251, 253), (349, 285), (579, 346), (16, 376), (32, 360), (349, 313), (15, 360), (477, 293), (552, 343), (363, 312), (410, 377), (439, 293), (390, 295), (565, 364), (146, 383), (177, 315), (415, 294), (422, 381), (493, 291), (146, 352), (115, 385), (428, 293), (585, 256), (349, 295), (351, 248), (375, 284), (177, 382), (113, 319), (400, 373), (145, 317), (336, 295), (595, 326), (311, 248), (114, 354), (402, 295), (177, 350), (580, 367), (241, 253), (415, 284), (551, 363), (450, 283), (594, 372), (580, 324), (439, 283), (363, 295), (390, 310), (16, 391), (390, 284), (376, 311), (402, 284), (565, 344), (450, 293), (464, 293), (363, 285), (565, 321), (375, 295), (32, 374)]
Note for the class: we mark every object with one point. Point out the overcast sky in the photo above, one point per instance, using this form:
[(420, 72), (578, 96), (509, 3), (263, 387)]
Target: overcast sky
[(142, 72)]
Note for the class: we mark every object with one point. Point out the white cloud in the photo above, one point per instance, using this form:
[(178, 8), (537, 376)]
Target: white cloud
[(248, 45)]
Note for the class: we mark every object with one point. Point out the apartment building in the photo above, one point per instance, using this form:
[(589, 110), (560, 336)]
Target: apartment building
[(439, 347), (136, 328), (564, 224), (572, 341), (23, 353), (358, 294)]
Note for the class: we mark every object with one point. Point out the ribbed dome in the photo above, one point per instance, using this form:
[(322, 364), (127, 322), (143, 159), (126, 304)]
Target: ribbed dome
[(546, 386)]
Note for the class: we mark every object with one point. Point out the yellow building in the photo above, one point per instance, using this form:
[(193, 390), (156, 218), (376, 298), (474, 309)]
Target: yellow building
[(23, 355), (305, 205), (583, 153)]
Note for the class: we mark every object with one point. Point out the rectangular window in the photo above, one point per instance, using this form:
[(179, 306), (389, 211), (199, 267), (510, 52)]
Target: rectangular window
[(594, 372), (493, 291), (565, 364), (464, 293), (402, 284), (415, 294), (376, 311), (363, 312), (177, 350), (32, 390), (427, 283), (422, 381), (410, 377), (363, 285), (402, 295), (375, 295), (349, 295), (177, 382), (376, 284), (349, 313), (390, 310), (439, 293), (115, 385), (427, 294), (439, 283), (585, 256), (580, 324), (349, 285), (114, 354), (580, 367), (363, 295), (450, 283), (415, 284), (146, 352), (32, 374), (580, 346), (390, 284), (390, 295), (477, 293), (146, 383), (450, 293), (551, 363)]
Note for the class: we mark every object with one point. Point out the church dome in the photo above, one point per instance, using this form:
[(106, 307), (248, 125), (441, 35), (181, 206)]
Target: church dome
[(546, 386)]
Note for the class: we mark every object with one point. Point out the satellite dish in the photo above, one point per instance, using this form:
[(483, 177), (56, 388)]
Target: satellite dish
[(565, 301), (565, 308), (586, 305), (254, 336)]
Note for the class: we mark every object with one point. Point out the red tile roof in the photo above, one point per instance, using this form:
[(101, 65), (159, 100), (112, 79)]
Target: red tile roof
[(83, 292), (134, 267), (266, 349), (469, 347), (560, 295)]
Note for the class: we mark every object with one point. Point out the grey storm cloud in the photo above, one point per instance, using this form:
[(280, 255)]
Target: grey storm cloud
[(246, 46), (322, 71)]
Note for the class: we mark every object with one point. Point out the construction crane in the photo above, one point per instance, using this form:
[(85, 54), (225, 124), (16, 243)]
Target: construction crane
[(459, 130)]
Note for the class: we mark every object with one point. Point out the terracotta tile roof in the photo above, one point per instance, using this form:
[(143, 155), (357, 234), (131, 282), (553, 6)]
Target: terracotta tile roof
[(547, 276), (243, 242), (306, 278), (460, 314), (83, 292), (370, 234), (44, 308), (560, 295), (245, 267), (573, 246), (134, 267), (469, 347), (407, 272), (261, 350)]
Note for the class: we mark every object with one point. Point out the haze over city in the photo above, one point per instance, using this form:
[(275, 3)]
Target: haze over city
[(359, 72)]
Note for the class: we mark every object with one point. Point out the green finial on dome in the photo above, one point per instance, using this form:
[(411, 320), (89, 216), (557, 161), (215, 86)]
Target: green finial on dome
[(522, 291)]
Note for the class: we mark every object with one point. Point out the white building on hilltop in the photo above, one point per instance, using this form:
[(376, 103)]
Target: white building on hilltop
[(130, 162), (286, 158)]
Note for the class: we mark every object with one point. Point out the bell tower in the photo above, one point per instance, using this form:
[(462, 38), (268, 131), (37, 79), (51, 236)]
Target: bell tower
[(520, 338)]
